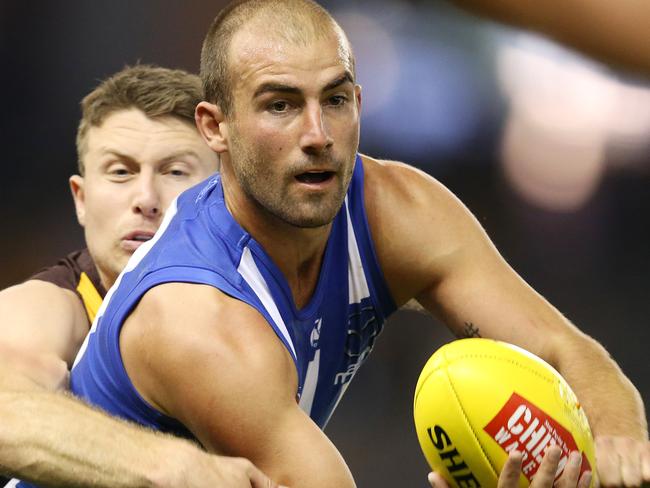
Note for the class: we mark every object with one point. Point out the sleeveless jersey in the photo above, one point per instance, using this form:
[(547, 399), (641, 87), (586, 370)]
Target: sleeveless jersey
[(200, 242), (77, 272)]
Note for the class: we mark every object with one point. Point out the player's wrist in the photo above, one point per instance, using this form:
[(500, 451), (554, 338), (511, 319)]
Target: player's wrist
[(174, 460)]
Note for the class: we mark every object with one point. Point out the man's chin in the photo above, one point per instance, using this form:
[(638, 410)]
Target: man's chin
[(313, 222), (130, 246), (120, 261), (311, 219)]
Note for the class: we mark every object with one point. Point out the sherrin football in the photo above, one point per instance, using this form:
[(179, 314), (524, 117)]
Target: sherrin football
[(478, 399)]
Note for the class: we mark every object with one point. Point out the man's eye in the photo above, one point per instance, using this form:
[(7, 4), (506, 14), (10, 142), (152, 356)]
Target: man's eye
[(338, 100), (178, 172), (118, 172), (279, 106)]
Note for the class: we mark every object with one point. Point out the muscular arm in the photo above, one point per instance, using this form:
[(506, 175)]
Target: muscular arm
[(444, 258), (615, 32), (41, 317), (214, 363), (55, 440)]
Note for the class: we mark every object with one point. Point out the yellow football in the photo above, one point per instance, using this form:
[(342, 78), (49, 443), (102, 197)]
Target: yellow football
[(478, 399)]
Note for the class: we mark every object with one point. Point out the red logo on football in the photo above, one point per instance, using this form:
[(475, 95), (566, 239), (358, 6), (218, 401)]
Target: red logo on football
[(522, 426)]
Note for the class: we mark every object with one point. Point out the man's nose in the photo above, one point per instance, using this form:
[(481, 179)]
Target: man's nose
[(146, 200), (315, 137)]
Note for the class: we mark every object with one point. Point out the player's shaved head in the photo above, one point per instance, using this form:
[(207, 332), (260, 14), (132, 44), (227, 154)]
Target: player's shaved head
[(297, 22)]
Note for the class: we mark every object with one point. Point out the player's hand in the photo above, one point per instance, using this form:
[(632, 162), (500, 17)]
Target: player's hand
[(437, 481), (241, 473), (509, 477), (622, 461), (194, 468), (548, 469), (236, 473)]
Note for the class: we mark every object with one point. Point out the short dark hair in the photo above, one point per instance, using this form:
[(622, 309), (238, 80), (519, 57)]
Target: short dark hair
[(154, 90)]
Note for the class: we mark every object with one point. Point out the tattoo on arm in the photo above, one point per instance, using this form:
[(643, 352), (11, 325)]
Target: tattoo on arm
[(469, 330)]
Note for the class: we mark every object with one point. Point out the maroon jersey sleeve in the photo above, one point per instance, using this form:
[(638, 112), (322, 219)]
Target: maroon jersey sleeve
[(76, 272)]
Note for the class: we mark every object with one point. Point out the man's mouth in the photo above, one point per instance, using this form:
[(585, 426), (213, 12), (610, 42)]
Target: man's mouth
[(134, 240), (141, 237), (315, 177)]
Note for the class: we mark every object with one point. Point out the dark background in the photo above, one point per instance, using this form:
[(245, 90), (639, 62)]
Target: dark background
[(441, 102)]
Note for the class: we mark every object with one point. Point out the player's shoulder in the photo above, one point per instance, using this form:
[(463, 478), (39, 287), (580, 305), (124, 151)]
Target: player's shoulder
[(71, 270), (394, 187), (44, 292), (177, 326), (199, 317), (399, 178)]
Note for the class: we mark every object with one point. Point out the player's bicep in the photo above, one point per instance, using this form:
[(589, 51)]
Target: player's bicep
[(216, 365), (43, 318)]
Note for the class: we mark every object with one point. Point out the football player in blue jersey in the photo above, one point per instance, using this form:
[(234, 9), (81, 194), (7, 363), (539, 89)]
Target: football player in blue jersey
[(138, 149), (270, 283)]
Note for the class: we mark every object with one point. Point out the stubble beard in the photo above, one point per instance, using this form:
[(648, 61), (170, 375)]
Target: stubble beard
[(267, 192)]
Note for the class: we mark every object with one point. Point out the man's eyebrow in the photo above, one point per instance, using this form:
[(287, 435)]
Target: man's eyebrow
[(109, 151), (273, 87), (180, 154), (344, 78), (171, 157)]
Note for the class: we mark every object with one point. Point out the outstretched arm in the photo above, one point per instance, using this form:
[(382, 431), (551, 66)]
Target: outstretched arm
[(215, 364), (444, 258), (55, 440), (614, 32)]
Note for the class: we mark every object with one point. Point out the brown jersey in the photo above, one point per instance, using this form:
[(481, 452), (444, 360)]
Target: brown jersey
[(77, 272)]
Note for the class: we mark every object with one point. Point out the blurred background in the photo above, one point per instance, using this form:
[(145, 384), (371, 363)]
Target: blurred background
[(550, 150)]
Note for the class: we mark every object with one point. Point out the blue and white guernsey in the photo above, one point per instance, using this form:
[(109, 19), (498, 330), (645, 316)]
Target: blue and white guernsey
[(200, 242)]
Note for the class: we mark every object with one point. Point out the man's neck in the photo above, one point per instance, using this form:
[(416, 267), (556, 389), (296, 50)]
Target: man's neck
[(107, 280), (297, 252)]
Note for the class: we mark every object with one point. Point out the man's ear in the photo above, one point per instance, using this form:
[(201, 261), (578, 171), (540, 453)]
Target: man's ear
[(77, 189), (211, 124)]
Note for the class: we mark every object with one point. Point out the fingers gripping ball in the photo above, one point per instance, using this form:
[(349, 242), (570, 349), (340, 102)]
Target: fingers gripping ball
[(478, 399)]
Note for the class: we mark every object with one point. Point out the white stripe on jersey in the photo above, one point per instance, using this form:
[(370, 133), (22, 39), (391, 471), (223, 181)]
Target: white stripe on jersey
[(249, 271), (311, 381), (12, 483), (134, 260), (357, 284), (357, 290)]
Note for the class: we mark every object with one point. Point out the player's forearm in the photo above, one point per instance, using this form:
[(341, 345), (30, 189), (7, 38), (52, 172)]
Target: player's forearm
[(53, 439), (612, 403)]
